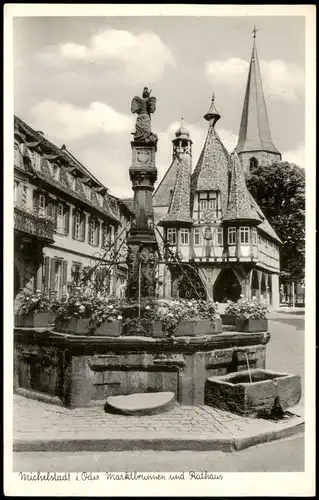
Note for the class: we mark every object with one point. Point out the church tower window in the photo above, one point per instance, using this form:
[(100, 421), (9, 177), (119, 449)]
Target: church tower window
[(253, 163)]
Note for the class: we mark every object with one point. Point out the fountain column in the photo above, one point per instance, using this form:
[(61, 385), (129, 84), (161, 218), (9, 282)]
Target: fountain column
[(141, 242)]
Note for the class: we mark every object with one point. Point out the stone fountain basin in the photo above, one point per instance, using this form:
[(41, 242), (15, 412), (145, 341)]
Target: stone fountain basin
[(235, 393)]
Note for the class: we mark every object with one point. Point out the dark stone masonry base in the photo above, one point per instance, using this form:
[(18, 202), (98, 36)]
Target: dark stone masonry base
[(80, 371), (238, 393)]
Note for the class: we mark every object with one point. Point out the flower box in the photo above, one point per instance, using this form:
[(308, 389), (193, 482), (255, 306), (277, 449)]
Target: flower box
[(76, 326), (199, 327), (109, 329), (251, 325), (38, 320), (228, 319), (157, 329)]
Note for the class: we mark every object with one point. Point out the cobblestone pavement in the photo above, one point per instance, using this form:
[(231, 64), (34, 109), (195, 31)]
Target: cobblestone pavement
[(36, 420)]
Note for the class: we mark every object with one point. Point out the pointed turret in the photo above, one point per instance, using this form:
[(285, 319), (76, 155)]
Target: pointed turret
[(179, 209), (255, 144), (211, 171), (240, 208)]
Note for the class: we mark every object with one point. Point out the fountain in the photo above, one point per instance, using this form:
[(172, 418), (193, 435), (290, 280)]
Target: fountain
[(83, 370)]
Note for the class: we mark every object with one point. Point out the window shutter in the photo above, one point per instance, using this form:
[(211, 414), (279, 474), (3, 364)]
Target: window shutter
[(55, 211), (52, 274), (83, 226), (46, 272), (35, 199), (66, 219), (65, 272), (73, 222), (98, 233)]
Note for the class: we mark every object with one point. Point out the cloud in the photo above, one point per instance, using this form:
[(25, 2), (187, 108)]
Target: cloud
[(296, 156), (280, 79), (69, 122), (130, 58)]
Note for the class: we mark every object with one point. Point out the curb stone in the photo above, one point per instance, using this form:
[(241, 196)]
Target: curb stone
[(165, 443)]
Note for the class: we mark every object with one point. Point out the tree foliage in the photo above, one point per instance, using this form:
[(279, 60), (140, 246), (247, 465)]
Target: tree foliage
[(279, 189)]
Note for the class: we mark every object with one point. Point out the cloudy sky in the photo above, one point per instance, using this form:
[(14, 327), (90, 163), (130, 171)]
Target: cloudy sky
[(75, 77)]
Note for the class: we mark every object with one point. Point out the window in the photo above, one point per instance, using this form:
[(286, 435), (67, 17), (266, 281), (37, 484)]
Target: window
[(106, 235), (254, 236), (184, 236), (197, 237), (17, 155), (37, 160), (76, 273), (231, 235), (77, 226), (41, 204), (93, 232), (16, 192), (244, 234), (253, 163), (203, 204), (60, 219), (266, 241), (220, 238), (87, 190), (24, 194), (171, 236)]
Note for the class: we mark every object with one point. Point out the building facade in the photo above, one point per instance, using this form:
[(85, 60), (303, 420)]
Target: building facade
[(65, 221), (222, 240)]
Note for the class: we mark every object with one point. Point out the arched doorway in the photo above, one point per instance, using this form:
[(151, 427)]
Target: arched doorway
[(227, 286), (16, 281)]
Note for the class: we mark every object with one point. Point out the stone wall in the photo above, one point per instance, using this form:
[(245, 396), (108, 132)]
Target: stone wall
[(81, 371)]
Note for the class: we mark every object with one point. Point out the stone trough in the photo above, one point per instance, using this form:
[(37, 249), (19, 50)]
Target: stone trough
[(248, 393)]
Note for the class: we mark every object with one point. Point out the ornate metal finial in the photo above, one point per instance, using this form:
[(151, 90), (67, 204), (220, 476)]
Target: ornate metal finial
[(182, 122), (213, 97), (254, 32)]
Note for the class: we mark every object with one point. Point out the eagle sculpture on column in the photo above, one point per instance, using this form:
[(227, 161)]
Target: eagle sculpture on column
[(143, 107)]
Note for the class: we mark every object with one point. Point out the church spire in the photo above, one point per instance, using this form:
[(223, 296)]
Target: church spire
[(254, 134)]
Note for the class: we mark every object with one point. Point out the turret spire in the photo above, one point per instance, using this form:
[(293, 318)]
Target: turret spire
[(212, 114)]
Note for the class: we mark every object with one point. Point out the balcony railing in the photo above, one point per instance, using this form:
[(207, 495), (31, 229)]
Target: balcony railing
[(33, 224)]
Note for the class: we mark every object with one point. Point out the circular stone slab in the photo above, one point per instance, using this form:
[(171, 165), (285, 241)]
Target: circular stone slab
[(148, 403)]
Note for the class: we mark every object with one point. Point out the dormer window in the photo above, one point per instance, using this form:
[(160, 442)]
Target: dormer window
[(37, 160), (88, 192), (209, 200), (71, 179)]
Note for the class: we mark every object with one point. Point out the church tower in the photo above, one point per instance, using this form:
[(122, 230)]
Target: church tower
[(255, 146)]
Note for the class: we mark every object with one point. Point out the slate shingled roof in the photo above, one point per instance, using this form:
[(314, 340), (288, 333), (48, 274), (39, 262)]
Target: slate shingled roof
[(239, 200), (162, 195), (67, 163), (179, 209), (254, 133)]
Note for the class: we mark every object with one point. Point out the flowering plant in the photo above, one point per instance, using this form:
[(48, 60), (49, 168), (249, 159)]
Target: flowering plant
[(34, 303), (172, 312), (245, 308), (83, 303)]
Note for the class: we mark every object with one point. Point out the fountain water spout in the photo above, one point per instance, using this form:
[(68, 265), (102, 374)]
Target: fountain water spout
[(236, 349)]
